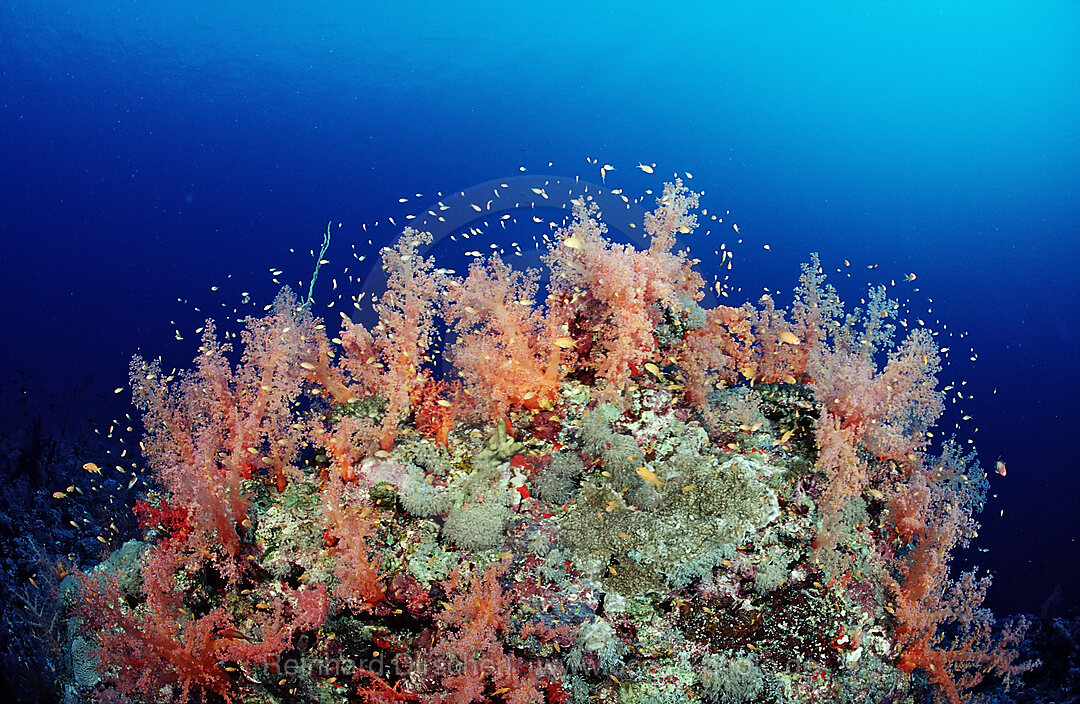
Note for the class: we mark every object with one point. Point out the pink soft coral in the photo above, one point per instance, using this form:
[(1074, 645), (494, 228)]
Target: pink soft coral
[(506, 348), (387, 360), (470, 626), (158, 646), (348, 526), (217, 425), (629, 289)]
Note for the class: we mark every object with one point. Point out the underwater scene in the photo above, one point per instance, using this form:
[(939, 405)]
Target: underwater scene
[(559, 353)]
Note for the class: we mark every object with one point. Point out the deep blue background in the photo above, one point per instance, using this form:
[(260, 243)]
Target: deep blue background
[(149, 151)]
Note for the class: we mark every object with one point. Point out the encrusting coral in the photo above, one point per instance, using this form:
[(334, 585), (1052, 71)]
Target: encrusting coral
[(617, 496)]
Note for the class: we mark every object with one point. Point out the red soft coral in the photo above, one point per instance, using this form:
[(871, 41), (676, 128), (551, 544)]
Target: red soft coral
[(435, 404), (348, 526), (469, 629), (464, 661), (157, 645), (942, 627), (160, 643)]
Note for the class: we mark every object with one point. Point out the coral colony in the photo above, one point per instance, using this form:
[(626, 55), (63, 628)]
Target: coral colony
[(615, 495)]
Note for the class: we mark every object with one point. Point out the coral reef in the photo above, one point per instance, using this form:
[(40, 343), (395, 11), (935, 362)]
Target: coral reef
[(617, 496)]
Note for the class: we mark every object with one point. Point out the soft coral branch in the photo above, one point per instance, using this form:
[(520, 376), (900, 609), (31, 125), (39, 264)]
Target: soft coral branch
[(157, 646), (212, 428), (388, 360), (719, 352), (869, 413), (626, 291), (469, 629), (942, 627), (347, 528), (506, 347)]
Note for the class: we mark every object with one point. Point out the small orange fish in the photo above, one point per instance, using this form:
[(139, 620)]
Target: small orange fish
[(789, 338), (999, 467), (649, 476), (91, 467)]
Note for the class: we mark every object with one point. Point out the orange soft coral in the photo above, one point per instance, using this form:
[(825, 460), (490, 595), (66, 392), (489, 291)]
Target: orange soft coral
[(506, 349), (387, 360)]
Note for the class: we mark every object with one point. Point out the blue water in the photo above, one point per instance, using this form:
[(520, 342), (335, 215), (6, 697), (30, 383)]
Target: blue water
[(151, 151)]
